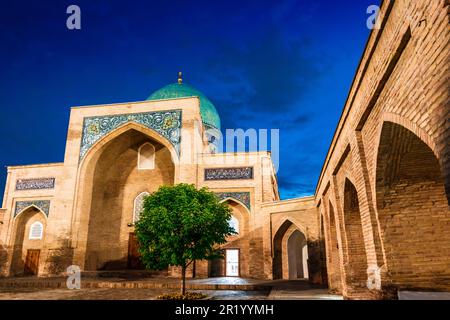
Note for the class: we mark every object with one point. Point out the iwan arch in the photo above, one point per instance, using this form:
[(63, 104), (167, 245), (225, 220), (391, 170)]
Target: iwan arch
[(379, 220)]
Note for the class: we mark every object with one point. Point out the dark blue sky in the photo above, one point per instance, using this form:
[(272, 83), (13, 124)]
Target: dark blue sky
[(280, 64)]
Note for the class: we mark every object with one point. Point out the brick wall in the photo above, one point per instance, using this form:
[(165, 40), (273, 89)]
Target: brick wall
[(391, 142)]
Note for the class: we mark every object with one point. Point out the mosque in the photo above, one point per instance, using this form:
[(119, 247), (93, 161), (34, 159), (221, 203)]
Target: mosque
[(82, 211), (378, 222)]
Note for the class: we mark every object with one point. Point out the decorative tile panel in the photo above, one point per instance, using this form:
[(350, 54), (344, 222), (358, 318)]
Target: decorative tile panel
[(43, 205), (166, 123), (229, 173), (35, 184), (243, 197)]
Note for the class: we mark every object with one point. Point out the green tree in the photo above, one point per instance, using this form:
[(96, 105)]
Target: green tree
[(180, 224)]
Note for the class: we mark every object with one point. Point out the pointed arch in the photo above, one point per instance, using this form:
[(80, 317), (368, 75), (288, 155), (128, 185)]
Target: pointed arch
[(122, 129), (240, 213), (412, 205), (32, 206), (241, 218), (27, 233), (105, 184), (355, 247), (289, 258), (87, 164), (409, 125), (296, 266), (230, 199)]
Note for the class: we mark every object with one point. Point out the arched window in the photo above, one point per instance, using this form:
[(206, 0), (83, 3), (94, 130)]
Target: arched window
[(234, 223), (139, 205), (36, 231), (146, 157)]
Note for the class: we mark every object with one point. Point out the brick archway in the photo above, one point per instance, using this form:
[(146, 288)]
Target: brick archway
[(356, 252), (288, 251), (21, 240), (294, 245), (109, 179), (239, 241), (412, 210)]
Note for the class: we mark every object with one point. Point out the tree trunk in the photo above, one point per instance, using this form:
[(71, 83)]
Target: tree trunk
[(183, 280)]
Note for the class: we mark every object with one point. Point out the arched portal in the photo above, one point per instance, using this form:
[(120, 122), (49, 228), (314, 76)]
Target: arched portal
[(112, 180), (412, 209), (290, 260), (236, 250), (356, 251), (28, 237), (297, 253)]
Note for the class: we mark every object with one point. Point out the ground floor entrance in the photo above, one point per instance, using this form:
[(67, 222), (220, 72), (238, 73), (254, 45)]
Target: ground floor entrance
[(228, 266), (32, 262), (134, 262), (232, 262)]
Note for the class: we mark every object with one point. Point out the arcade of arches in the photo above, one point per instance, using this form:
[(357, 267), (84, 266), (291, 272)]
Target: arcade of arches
[(379, 220), (384, 190)]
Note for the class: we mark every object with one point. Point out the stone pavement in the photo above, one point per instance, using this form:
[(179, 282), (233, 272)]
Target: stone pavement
[(150, 288), (223, 283), (420, 295), (300, 290), (118, 294)]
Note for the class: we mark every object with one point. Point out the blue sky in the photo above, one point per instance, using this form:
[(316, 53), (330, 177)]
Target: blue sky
[(264, 64)]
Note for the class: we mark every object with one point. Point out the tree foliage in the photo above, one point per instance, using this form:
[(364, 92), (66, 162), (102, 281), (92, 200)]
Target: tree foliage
[(180, 224)]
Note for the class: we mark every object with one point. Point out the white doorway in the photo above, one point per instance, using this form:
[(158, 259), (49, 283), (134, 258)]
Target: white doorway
[(232, 262)]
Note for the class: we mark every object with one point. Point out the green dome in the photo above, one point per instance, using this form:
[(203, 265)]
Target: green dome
[(209, 114)]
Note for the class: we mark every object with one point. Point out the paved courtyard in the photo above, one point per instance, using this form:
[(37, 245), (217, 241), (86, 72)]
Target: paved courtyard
[(137, 288), (151, 294), (149, 289), (116, 294)]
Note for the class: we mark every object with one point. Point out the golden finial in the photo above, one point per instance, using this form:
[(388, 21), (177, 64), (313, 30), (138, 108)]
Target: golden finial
[(180, 77)]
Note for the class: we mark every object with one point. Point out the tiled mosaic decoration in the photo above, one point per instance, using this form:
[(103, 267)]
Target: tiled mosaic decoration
[(166, 123), (229, 173), (243, 197), (43, 205), (35, 184)]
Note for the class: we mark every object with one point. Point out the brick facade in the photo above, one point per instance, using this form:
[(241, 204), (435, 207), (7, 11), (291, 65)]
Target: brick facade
[(387, 171)]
